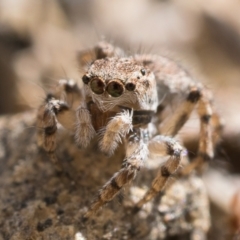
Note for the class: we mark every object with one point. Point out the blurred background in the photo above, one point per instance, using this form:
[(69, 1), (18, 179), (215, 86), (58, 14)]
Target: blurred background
[(39, 40)]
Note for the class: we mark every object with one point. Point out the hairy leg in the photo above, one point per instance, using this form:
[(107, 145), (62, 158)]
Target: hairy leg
[(207, 140), (47, 125), (136, 153), (172, 125), (53, 111), (116, 129), (84, 128), (69, 92), (162, 146), (210, 125)]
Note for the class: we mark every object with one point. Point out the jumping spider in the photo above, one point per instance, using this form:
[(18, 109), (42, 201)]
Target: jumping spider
[(122, 101)]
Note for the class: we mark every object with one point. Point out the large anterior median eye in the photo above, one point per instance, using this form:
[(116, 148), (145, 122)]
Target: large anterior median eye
[(115, 88), (97, 85)]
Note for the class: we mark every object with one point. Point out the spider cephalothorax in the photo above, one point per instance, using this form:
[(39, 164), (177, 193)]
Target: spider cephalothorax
[(120, 81), (121, 101)]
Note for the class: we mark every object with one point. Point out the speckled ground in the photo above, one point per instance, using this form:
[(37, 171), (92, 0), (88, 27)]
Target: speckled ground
[(37, 203)]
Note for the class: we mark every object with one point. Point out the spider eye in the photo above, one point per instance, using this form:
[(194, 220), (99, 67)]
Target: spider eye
[(115, 88), (97, 85), (86, 79), (130, 86)]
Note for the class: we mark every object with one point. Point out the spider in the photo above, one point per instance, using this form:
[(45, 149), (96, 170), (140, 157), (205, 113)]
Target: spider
[(122, 101)]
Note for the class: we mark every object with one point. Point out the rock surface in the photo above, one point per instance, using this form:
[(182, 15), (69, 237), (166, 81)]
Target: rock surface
[(38, 203)]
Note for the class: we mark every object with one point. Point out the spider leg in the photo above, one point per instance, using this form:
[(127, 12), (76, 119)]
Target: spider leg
[(69, 92), (173, 124), (211, 127), (84, 128), (136, 153), (47, 125), (52, 112), (205, 147), (217, 126), (162, 146), (118, 127)]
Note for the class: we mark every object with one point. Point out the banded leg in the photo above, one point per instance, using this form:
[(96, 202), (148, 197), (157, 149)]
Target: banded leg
[(171, 126), (54, 111), (217, 128), (205, 150), (162, 146), (117, 128), (47, 123), (210, 128), (136, 153), (69, 92)]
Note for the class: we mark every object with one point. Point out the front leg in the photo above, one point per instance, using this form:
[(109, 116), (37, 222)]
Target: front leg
[(47, 127), (84, 128), (136, 153), (116, 129)]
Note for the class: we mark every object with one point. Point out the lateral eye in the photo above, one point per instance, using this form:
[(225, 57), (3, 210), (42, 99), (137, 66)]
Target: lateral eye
[(86, 79), (97, 85), (115, 88), (130, 86)]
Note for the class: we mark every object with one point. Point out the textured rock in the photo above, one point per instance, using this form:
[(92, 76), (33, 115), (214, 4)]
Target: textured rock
[(38, 203)]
